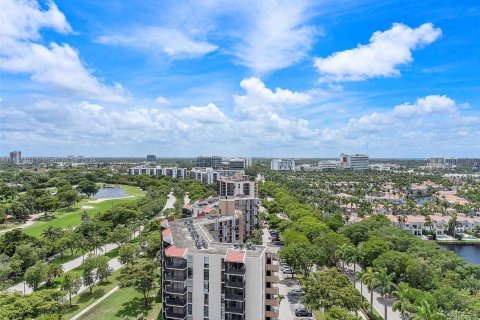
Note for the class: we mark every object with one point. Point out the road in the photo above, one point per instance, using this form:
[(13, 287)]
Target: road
[(377, 298), (72, 264)]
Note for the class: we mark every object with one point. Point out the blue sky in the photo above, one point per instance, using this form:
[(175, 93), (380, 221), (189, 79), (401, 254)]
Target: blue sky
[(263, 78)]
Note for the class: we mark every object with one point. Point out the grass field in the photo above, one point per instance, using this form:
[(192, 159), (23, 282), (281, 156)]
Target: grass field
[(86, 298), (67, 218), (125, 302)]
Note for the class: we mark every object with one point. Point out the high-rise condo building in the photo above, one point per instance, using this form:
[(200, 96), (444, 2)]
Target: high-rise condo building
[(209, 274)]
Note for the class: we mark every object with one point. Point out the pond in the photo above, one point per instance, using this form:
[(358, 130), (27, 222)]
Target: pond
[(471, 253), (109, 193)]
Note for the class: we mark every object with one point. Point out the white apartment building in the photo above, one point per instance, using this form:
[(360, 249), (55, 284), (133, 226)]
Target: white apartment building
[(204, 278), (354, 162), (210, 175), (238, 185), (239, 163), (415, 224), (174, 172), (328, 165), (282, 165)]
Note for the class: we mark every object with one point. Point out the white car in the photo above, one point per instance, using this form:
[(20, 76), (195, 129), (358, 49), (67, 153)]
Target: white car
[(297, 292)]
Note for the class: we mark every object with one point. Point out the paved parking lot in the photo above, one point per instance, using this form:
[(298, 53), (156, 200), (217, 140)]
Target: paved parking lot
[(291, 302)]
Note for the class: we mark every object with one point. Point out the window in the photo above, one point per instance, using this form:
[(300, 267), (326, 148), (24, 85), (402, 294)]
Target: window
[(205, 311), (205, 299), (189, 309), (206, 263), (205, 286), (206, 274)]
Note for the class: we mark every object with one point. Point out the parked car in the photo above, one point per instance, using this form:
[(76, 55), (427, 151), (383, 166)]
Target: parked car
[(287, 271), (297, 292), (302, 312), (278, 243)]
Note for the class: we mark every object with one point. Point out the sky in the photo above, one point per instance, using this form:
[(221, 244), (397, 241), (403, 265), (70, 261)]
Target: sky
[(240, 78)]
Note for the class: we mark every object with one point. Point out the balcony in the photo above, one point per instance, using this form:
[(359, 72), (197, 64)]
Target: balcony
[(272, 314), (271, 302), (235, 284), (238, 271), (272, 267), (176, 302), (174, 314), (234, 297), (175, 290), (231, 316), (272, 279), (272, 290), (175, 277), (178, 265), (236, 310)]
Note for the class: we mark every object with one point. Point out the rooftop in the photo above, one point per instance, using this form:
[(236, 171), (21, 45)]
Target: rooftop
[(191, 234)]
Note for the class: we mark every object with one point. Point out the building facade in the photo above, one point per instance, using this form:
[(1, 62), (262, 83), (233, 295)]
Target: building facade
[(354, 162), (328, 165), (205, 278), (16, 156), (282, 165), (174, 172), (210, 175), (151, 158), (214, 162)]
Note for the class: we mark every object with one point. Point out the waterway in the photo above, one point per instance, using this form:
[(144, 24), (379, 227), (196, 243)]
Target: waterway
[(109, 193), (467, 252)]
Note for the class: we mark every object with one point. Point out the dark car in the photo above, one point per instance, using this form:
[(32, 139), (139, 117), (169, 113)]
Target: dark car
[(301, 312)]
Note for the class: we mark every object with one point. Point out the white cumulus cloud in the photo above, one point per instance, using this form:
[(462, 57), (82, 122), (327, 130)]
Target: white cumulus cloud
[(56, 65), (380, 58)]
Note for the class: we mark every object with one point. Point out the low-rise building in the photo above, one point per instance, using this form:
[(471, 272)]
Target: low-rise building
[(354, 162), (282, 165), (174, 172), (328, 165), (210, 175)]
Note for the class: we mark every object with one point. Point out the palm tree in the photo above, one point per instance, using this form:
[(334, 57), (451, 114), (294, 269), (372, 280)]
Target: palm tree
[(360, 275), (353, 255), (385, 284), (426, 312), (370, 280), (402, 303)]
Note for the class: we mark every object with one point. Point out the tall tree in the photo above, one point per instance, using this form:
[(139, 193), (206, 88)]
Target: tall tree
[(71, 284), (385, 285), (141, 277), (36, 274)]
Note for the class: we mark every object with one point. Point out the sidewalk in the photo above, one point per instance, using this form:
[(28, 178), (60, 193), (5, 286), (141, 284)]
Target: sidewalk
[(377, 298), (81, 313)]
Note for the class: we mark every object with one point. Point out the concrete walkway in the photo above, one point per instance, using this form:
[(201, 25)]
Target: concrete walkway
[(81, 313), (377, 297)]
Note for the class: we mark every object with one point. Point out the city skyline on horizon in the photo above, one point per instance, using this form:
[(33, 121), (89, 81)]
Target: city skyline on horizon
[(266, 79)]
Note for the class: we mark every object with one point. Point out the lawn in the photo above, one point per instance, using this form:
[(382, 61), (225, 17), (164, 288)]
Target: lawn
[(67, 218), (125, 302), (86, 298)]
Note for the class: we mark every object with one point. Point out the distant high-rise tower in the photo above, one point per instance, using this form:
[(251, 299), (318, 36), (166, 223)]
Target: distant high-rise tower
[(151, 158), (15, 156)]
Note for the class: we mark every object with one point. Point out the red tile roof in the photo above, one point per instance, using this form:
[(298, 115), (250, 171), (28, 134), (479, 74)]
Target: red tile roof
[(235, 256), (207, 210), (166, 233), (173, 251)]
